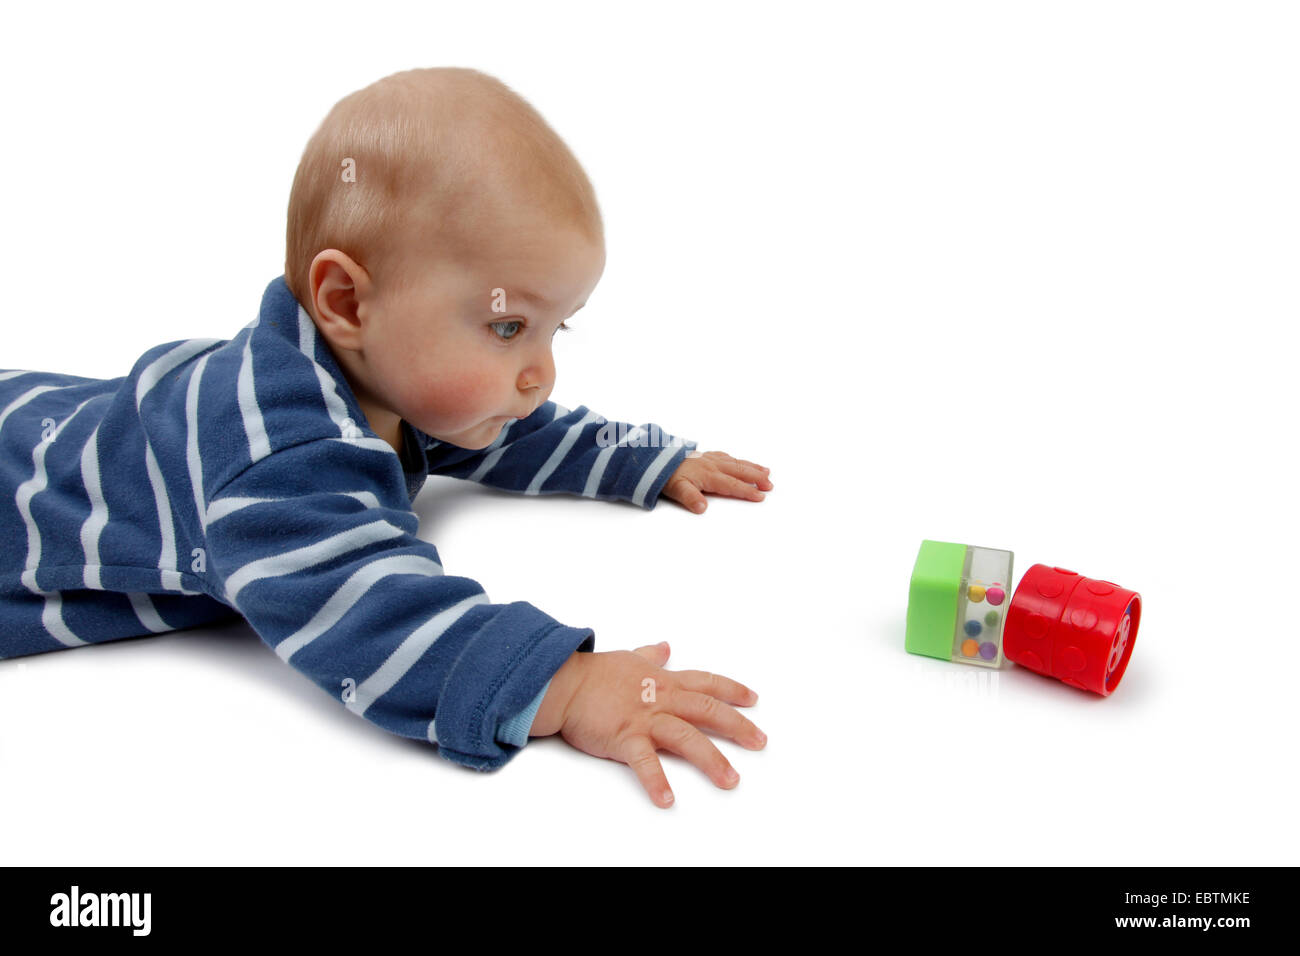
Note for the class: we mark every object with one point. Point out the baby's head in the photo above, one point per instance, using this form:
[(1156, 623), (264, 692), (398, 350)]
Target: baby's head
[(439, 233)]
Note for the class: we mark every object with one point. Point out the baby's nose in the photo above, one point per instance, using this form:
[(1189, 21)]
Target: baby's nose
[(541, 376)]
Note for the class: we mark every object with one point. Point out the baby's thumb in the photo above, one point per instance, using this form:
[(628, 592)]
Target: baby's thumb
[(655, 653)]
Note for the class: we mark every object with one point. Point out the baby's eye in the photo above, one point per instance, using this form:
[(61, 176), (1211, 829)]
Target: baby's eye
[(513, 332)]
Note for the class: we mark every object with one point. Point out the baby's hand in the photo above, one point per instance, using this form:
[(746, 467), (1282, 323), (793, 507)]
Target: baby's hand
[(718, 472), (623, 705)]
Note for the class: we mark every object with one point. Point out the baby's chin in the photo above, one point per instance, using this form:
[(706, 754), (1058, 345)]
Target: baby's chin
[(477, 436)]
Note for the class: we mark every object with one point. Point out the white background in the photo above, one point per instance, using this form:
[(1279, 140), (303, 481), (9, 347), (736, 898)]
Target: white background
[(1022, 275)]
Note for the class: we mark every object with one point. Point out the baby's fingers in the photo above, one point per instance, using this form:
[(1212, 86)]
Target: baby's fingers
[(715, 685), (747, 470), (712, 714), (656, 654), (639, 754), (677, 736), (687, 494), (723, 484)]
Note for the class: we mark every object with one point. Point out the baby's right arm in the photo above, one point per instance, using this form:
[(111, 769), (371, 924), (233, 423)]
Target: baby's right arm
[(624, 705), (315, 544)]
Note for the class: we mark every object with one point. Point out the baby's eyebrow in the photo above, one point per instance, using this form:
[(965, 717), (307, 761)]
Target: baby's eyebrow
[(540, 300), (534, 298)]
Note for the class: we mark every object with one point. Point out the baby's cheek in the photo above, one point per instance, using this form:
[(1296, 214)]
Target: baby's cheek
[(459, 396)]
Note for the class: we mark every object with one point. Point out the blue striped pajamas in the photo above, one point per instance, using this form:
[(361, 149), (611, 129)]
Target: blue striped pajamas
[(237, 477)]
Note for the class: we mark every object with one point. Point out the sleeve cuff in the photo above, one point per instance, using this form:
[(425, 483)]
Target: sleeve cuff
[(515, 730), (516, 650), (649, 497)]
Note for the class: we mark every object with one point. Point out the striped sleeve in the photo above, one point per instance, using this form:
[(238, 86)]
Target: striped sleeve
[(558, 451), (316, 546)]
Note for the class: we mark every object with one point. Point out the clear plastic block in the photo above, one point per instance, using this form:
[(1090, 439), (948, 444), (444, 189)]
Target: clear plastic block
[(982, 601)]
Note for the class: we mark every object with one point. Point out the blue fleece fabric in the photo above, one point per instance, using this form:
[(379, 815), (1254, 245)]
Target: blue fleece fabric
[(223, 477)]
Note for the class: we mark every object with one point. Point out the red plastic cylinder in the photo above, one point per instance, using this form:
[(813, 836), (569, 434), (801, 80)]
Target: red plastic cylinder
[(1076, 629)]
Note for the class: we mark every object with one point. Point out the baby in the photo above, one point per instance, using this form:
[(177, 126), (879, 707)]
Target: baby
[(439, 234)]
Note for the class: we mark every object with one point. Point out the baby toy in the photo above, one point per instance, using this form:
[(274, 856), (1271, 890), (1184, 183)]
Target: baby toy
[(1058, 623)]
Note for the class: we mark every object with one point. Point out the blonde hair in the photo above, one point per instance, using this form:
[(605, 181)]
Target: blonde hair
[(426, 147)]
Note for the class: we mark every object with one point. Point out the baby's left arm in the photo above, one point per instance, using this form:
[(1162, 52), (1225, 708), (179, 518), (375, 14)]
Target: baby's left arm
[(719, 473), (556, 450)]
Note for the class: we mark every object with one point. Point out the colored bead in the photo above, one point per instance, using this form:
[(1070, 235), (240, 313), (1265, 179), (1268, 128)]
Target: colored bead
[(988, 650), (992, 618), (970, 648), (973, 628), (976, 593), (996, 596)]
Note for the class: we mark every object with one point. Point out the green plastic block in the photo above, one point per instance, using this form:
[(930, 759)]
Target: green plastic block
[(958, 602), (932, 599)]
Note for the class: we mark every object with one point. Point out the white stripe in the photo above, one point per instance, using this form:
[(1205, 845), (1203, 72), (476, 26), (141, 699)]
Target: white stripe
[(96, 521), (309, 555), (142, 604), (487, 465), (26, 397), (224, 507), (557, 456), (492, 453), (5, 376), (367, 498), (408, 654), (306, 333), (259, 446), (172, 581), (150, 377), (159, 367), (28, 490), (334, 404), (651, 473), (52, 611), (352, 590), (192, 458), (166, 530), (602, 462), (370, 444), (52, 618)]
